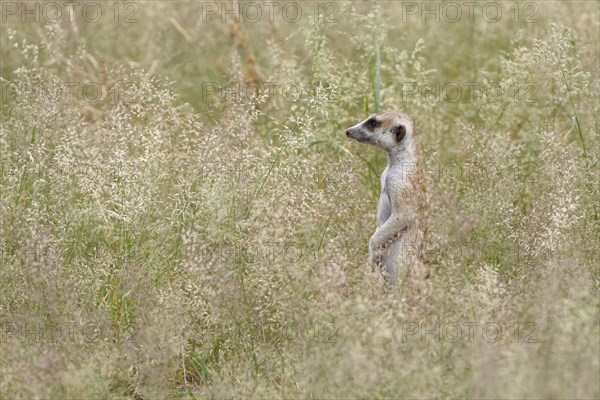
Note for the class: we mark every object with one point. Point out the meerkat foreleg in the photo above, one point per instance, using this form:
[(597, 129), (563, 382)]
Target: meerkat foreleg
[(387, 232)]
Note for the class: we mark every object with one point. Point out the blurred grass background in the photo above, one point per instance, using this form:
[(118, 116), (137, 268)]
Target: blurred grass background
[(166, 241)]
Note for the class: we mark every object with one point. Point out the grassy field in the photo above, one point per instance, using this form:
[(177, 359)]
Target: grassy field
[(182, 215)]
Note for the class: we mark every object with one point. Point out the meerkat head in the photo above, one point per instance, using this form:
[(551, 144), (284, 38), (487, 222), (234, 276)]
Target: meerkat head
[(391, 130)]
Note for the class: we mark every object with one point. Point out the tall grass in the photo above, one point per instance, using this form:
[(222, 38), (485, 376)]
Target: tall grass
[(161, 243)]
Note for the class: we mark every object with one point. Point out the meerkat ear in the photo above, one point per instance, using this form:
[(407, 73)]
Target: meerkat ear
[(399, 133)]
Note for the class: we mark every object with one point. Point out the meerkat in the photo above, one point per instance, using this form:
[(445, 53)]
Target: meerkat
[(398, 246)]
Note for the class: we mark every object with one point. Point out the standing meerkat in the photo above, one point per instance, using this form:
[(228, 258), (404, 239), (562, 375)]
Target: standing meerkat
[(398, 246)]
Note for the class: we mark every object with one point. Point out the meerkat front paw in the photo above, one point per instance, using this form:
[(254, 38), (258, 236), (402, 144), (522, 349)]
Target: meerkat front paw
[(373, 260), (371, 265)]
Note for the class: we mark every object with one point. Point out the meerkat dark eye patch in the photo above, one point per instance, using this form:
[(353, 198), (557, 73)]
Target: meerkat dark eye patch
[(372, 123), (399, 133)]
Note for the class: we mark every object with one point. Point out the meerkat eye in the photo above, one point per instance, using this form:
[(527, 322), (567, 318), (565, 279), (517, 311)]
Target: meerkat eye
[(372, 123), (399, 133)]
